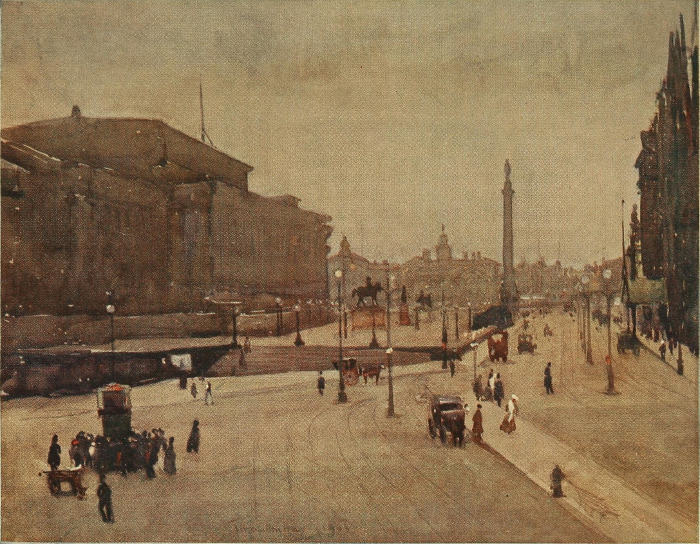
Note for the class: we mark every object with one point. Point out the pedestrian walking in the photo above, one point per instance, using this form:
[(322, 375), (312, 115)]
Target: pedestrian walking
[(104, 497), (492, 381), (208, 398), (169, 457), (477, 427), (193, 390), (193, 440), (54, 459), (508, 423), (548, 379), (556, 478), (498, 390), (246, 344), (478, 388), (662, 350), (321, 382), (452, 369)]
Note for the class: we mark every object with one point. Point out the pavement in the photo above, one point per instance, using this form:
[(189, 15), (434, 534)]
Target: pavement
[(281, 463)]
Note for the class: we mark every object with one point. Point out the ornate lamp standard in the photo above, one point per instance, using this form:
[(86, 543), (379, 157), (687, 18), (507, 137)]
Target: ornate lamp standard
[(342, 396), (474, 346), (298, 342), (585, 280), (278, 302), (456, 323), (609, 292), (111, 310), (390, 280), (444, 329), (469, 316)]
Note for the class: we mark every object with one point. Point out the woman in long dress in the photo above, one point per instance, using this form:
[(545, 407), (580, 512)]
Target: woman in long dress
[(169, 457), (508, 424)]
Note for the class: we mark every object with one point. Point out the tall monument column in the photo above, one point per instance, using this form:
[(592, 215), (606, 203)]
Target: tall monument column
[(509, 292)]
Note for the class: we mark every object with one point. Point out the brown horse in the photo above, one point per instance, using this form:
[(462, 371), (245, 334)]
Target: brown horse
[(372, 372)]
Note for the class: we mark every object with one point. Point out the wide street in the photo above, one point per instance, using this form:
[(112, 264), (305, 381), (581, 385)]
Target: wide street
[(279, 462)]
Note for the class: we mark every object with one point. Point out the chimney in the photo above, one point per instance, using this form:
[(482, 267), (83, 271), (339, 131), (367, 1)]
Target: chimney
[(75, 112)]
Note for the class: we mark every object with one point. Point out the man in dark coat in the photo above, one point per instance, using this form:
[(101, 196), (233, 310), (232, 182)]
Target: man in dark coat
[(477, 428), (104, 496), (498, 392), (557, 476), (321, 382), (548, 379), (54, 458), (193, 440), (452, 368)]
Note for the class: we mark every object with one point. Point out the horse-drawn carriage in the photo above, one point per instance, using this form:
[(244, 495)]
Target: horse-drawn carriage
[(526, 344), (498, 346), (446, 415), (350, 370), (627, 340)]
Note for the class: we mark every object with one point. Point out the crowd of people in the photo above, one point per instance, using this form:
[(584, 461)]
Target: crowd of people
[(129, 454)]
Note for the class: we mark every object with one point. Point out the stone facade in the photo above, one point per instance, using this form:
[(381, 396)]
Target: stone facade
[(474, 279), (137, 207), (668, 184)]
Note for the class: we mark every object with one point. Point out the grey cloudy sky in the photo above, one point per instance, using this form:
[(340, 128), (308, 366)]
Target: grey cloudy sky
[(392, 117)]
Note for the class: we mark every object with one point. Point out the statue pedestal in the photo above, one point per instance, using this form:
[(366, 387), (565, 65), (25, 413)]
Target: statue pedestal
[(366, 318), (404, 316)]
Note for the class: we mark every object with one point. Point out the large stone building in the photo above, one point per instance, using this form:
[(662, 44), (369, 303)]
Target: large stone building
[(668, 185), (137, 207)]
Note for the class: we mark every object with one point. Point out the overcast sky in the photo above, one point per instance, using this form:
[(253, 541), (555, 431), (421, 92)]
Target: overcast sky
[(392, 117)]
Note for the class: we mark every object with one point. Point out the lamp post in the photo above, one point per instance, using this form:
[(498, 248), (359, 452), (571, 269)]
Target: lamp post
[(469, 316), (585, 280), (390, 409), (298, 341), (609, 293), (278, 302), (342, 396), (390, 280), (456, 323), (474, 346), (111, 309), (444, 330), (417, 323)]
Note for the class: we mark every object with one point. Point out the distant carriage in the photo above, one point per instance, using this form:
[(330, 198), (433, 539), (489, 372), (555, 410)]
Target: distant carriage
[(498, 346), (351, 372)]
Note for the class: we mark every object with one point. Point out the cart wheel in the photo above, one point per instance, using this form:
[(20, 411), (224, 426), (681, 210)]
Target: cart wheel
[(443, 434)]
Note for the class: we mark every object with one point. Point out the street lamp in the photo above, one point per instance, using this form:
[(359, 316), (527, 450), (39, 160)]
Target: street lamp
[(469, 317), (278, 302), (342, 396), (456, 323), (390, 280), (390, 409), (444, 330), (111, 309), (474, 346), (609, 293), (585, 280), (298, 342)]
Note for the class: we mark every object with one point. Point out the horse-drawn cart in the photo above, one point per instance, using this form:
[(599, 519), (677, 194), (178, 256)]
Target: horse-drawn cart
[(351, 373), (73, 476)]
